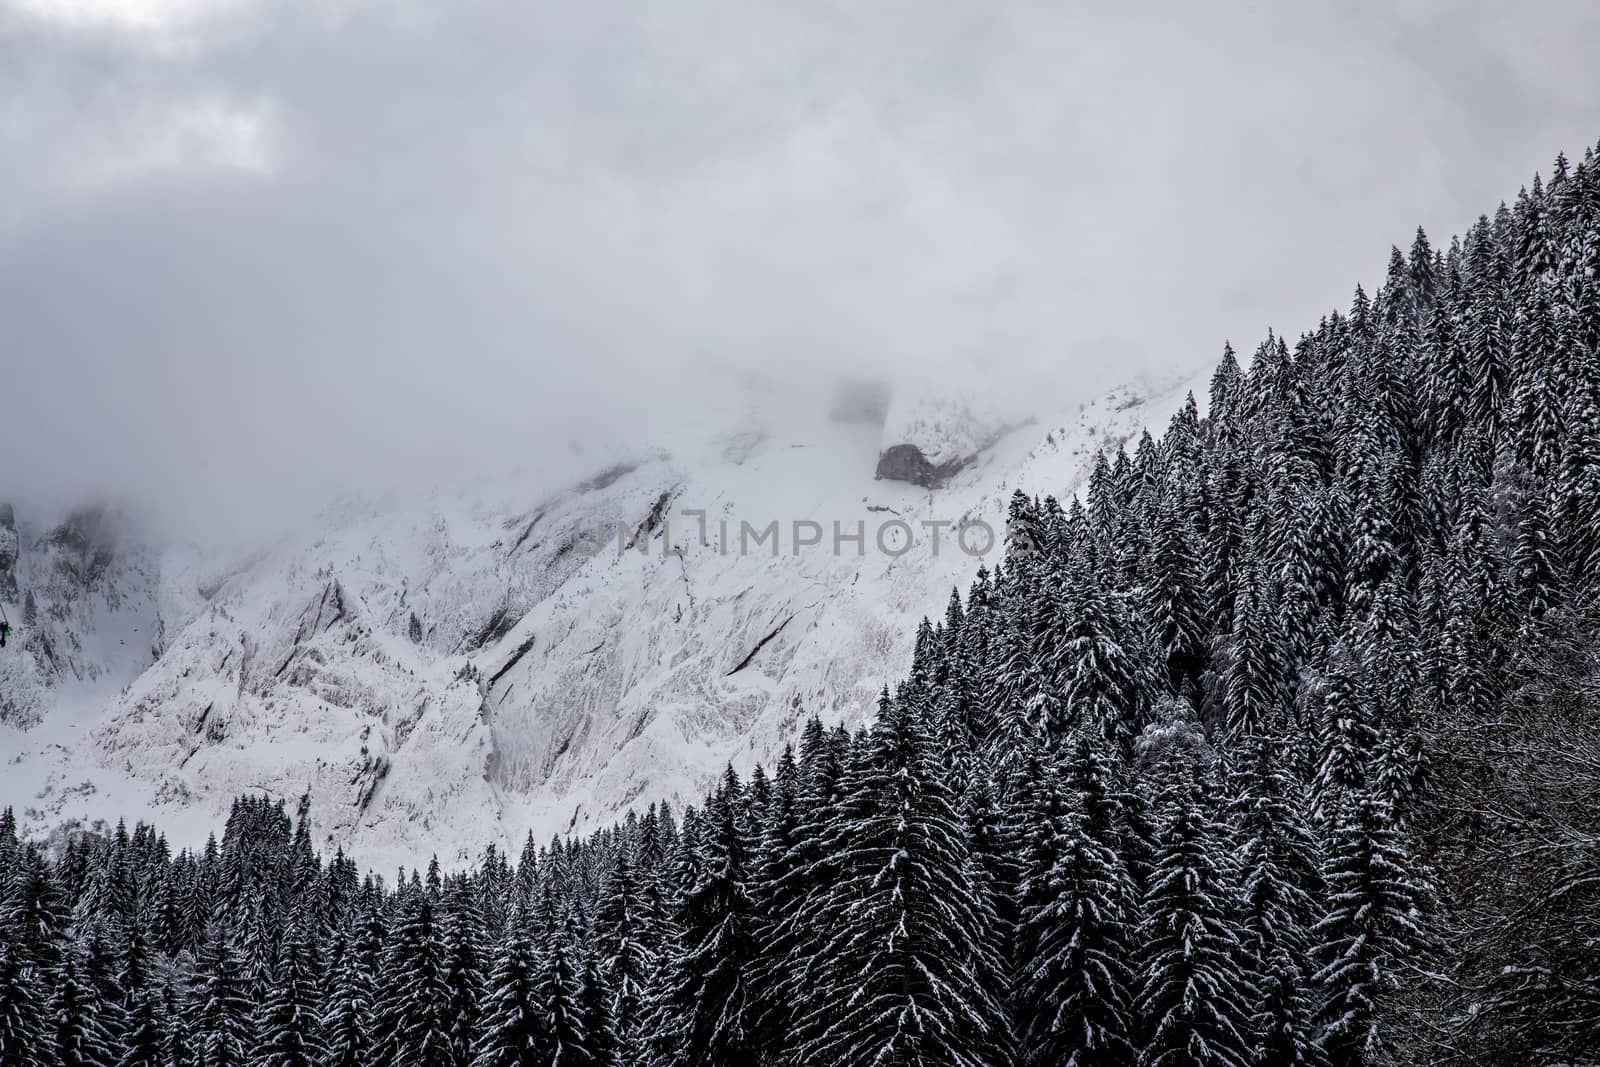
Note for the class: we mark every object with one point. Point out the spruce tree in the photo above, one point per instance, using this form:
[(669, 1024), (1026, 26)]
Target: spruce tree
[(627, 959), (143, 1046), (512, 1031), (222, 1007), (594, 1008), (463, 978), (1073, 998), (411, 1025), (1253, 701), (21, 1013), (286, 1028), (705, 1016), (1194, 995), (561, 1038), (904, 934), (78, 1035), (1173, 602), (346, 1023), (1370, 933)]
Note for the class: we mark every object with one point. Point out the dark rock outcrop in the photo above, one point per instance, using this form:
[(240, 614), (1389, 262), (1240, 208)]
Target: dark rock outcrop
[(84, 545), (906, 463), (10, 548)]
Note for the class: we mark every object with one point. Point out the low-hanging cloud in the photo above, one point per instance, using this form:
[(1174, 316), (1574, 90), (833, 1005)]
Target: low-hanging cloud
[(250, 250)]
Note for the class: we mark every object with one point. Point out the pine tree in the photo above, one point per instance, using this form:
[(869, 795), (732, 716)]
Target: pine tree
[(1090, 657), (222, 1007), (594, 1008), (1173, 602), (143, 1045), (78, 1035), (100, 973), (706, 1015), (796, 864), (1346, 737), (177, 1045), (463, 977), (286, 1026), (346, 1024), (33, 914), (627, 958), (1280, 881), (1539, 404), (899, 977), (1253, 695), (1369, 934), (1277, 854), (1285, 1035), (410, 1011), (561, 1039), (1073, 994), (512, 1033), (21, 1037), (1194, 996), (1533, 559)]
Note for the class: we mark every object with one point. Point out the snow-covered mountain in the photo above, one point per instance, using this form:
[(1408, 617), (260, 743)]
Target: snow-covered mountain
[(466, 666)]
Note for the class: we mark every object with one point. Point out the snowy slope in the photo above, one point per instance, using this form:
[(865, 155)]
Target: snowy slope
[(454, 669)]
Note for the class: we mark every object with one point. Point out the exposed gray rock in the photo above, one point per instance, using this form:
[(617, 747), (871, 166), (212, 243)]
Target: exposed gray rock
[(906, 463), (84, 545), (10, 548)]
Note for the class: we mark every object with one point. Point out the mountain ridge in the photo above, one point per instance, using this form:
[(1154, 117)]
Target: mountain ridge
[(465, 669)]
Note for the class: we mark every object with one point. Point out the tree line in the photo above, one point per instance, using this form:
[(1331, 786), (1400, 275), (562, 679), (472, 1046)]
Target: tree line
[(1275, 746)]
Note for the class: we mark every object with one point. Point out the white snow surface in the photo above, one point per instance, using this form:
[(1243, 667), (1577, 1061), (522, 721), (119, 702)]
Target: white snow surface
[(556, 681), (945, 425)]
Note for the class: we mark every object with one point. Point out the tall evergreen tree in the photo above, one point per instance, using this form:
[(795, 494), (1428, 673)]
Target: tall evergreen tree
[(222, 1007), (1370, 933), (1194, 993), (143, 1046), (412, 1029), (904, 932), (705, 1017), (21, 1036), (1073, 994), (78, 1036), (512, 1033), (286, 1028)]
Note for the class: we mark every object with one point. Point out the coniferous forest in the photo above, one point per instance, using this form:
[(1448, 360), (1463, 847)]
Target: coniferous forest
[(1279, 747)]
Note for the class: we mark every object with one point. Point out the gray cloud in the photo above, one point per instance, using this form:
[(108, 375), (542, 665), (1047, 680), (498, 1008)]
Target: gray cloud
[(256, 249)]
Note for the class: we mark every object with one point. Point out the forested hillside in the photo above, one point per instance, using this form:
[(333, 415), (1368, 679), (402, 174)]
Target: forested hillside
[(1278, 748)]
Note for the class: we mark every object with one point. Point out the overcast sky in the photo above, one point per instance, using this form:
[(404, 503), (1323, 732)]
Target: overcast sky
[(251, 246)]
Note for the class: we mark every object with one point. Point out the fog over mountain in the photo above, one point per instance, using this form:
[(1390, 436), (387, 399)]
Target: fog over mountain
[(252, 253)]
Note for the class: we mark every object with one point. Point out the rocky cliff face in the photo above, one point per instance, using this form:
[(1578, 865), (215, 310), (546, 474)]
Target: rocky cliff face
[(906, 463), (10, 546), (85, 600), (929, 438), (464, 668)]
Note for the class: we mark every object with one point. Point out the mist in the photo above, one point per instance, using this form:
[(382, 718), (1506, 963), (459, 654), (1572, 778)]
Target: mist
[(255, 253)]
